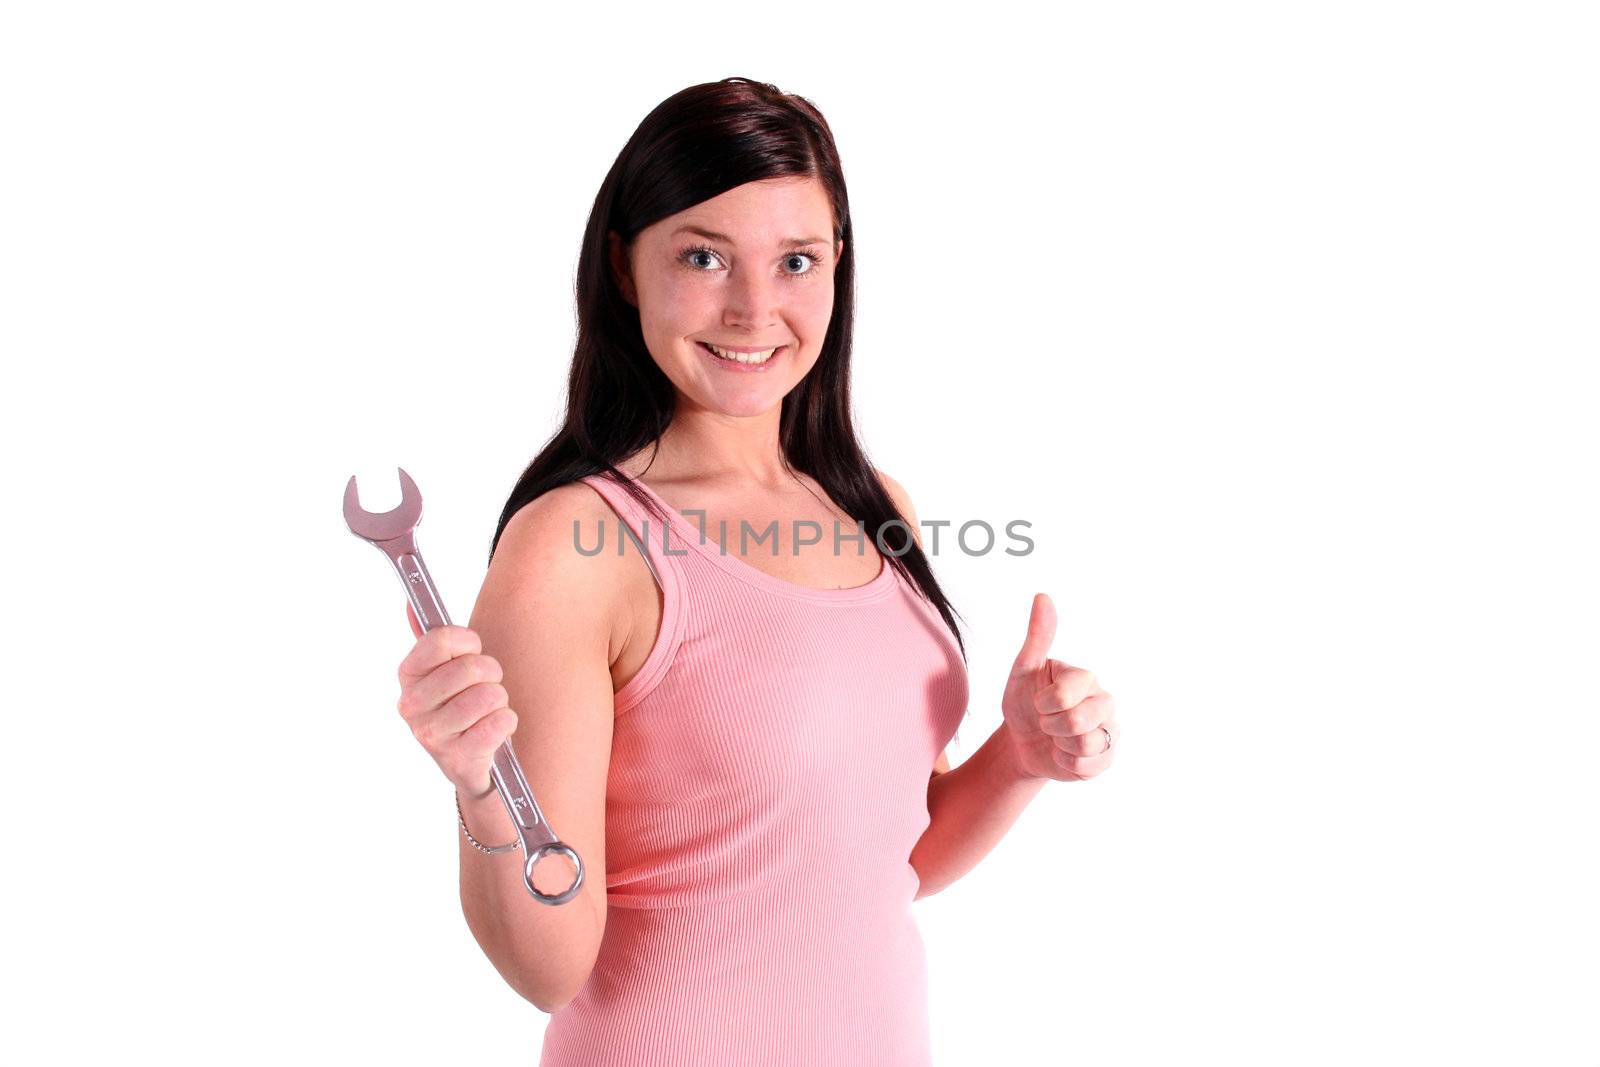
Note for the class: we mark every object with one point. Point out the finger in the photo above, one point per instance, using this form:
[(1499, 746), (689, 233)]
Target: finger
[(439, 645), (1082, 767), (458, 714), (1041, 631), (1093, 711), (488, 733), (425, 694), (1069, 687), (1092, 743)]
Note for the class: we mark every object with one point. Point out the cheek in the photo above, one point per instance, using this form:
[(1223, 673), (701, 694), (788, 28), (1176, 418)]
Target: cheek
[(814, 308), (677, 291), (672, 306), (687, 295)]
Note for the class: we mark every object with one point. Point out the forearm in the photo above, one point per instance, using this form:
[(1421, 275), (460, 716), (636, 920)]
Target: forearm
[(970, 808), (537, 948)]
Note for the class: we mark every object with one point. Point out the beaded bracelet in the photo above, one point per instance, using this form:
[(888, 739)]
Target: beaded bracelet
[(475, 842)]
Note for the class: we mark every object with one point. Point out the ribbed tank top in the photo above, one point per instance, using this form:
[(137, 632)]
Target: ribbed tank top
[(768, 781)]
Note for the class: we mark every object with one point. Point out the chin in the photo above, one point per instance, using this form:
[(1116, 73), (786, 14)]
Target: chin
[(745, 409)]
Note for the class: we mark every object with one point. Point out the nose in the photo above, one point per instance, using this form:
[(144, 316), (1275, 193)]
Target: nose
[(753, 299)]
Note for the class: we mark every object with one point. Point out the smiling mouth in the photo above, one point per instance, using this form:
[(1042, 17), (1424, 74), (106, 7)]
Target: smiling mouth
[(731, 356)]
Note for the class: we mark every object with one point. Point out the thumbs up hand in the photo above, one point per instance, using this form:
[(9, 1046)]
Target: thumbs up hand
[(1061, 723)]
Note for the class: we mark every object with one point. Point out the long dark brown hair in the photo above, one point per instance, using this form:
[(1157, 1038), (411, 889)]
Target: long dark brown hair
[(697, 144)]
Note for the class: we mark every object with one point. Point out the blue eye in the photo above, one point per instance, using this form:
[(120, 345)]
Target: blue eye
[(687, 257), (804, 255), (696, 252)]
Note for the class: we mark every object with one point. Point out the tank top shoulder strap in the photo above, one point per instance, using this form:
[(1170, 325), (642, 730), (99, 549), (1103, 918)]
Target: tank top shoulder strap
[(643, 533)]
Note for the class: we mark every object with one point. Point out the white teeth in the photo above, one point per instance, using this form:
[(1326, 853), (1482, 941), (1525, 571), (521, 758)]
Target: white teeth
[(743, 357)]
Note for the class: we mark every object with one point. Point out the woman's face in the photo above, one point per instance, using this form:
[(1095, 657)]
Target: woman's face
[(749, 269)]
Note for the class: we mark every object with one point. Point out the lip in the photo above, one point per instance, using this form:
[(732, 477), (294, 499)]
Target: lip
[(742, 348), (743, 368)]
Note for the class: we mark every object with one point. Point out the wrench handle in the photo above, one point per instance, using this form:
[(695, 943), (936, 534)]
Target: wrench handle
[(533, 831), (538, 839), (425, 599)]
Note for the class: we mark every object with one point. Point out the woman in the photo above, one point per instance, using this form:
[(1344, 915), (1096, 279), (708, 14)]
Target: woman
[(743, 743)]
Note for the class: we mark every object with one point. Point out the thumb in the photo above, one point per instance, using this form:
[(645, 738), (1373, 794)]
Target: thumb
[(411, 615), (1041, 631)]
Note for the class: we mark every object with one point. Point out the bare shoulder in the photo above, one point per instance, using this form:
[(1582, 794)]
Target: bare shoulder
[(902, 502), (537, 562), (548, 530), (557, 508)]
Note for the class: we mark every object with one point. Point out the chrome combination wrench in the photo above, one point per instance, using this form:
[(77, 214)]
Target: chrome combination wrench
[(392, 532)]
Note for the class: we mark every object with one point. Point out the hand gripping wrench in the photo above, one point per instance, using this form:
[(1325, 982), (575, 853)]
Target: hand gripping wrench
[(392, 532)]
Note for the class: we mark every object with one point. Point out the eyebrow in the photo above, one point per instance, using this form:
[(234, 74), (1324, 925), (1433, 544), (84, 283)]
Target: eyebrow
[(714, 236)]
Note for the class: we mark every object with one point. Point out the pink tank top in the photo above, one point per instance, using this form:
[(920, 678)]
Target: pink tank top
[(768, 781)]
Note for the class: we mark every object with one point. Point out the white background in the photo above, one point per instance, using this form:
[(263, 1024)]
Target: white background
[(1277, 321)]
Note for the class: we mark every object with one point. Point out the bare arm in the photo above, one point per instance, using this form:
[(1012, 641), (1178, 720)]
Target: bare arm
[(969, 811), (549, 615)]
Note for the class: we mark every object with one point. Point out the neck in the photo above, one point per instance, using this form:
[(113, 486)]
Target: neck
[(714, 447)]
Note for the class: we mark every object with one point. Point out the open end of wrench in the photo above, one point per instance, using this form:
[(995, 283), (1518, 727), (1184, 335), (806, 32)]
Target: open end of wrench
[(387, 525)]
